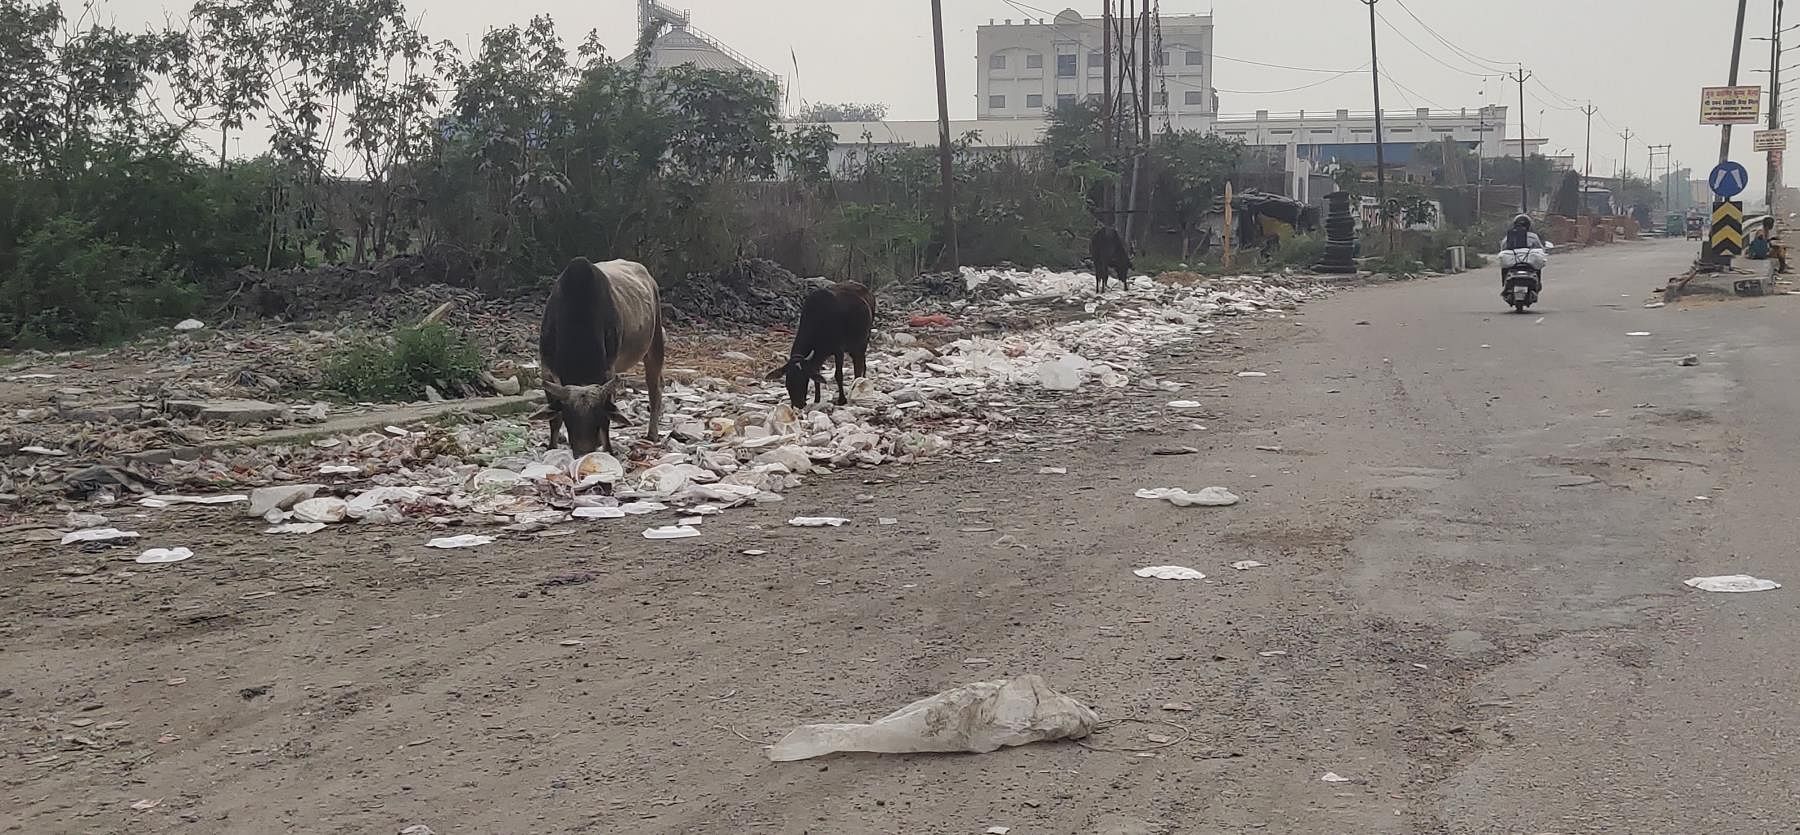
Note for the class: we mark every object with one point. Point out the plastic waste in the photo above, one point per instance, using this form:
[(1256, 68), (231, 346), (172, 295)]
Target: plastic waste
[(160, 501), (1063, 373), (1732, 583), (296, 528), (463, 541), (157, 556), (1169, 572), (976, 718), (671, 532), (1246, 565), (598, 513), (1333, 777), (1252, 374), (326, 510), (189, 325), (817, 521), (98, 535), (1207, 497)]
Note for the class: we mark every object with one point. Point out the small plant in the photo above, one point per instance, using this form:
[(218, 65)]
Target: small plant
[(400, 367), (1300, 251)]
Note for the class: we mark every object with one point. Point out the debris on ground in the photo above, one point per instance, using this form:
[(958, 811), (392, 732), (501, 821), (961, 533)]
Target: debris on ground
[(732, 438), (97, 535), (1206, 497), (975, 718), (754, 291), (463, 541), (1690, 360), (1169, 572), (1732, 583), (157, 556), (1333, 777), (1246, 565)]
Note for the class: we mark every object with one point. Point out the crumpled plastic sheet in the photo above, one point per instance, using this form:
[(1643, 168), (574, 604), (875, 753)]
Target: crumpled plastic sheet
[(976, 718)]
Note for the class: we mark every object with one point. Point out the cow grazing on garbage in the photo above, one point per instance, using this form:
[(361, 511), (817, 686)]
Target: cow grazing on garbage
[(834, 321), (1109, 253), (601, 320)]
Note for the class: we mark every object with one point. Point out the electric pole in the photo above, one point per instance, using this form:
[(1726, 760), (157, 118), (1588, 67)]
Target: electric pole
[(1524, 194), (1110, 205), (1772, 170), (1625, 158), (1380, 153), (1587, 161), (1737, 53), (950, 254), (1651, 171)]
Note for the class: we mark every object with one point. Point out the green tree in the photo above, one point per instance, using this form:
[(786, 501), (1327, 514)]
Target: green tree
[(1192, 170)]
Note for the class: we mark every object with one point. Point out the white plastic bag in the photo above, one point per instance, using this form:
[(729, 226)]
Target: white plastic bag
[(976, 718)]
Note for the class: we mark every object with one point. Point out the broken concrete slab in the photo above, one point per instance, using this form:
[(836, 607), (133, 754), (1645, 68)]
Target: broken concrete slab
[(230, 411), (100, 412)]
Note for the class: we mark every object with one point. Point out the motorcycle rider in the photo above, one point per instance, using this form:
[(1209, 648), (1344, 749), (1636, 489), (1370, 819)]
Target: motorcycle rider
[(1522, 240)]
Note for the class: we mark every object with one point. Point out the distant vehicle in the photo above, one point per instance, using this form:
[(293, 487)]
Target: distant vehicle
[(1696, 226)]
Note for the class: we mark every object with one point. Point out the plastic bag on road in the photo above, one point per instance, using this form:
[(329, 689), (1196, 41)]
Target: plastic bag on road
[(976, 718)]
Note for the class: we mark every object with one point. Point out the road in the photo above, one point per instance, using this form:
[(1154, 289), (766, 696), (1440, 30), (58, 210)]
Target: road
[(1475, 527)]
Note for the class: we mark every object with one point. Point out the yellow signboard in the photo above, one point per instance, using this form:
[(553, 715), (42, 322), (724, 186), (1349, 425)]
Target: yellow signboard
[(1730, 105), (1771, 140)]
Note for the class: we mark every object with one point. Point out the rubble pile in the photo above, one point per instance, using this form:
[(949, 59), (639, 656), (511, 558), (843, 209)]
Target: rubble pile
[(754, 291), (732, 438)]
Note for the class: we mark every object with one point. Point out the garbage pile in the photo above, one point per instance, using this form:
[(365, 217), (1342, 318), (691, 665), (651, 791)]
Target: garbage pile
[(754, 291), (730, 441)]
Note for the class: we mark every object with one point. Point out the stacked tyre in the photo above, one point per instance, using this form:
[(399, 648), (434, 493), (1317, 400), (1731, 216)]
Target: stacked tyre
[(1340, 235)]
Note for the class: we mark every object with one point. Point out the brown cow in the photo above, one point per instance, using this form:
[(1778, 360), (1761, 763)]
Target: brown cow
[(601, 320)]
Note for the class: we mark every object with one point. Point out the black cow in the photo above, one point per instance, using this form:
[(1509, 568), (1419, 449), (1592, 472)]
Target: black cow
[(1110, 254), (834, 321), (601, 320)]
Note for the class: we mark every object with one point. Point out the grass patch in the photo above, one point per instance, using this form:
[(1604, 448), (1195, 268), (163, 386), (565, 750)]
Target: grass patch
[(399, 367)]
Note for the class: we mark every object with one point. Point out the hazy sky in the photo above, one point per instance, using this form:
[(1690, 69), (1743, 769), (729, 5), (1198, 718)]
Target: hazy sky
[(1642, 62)]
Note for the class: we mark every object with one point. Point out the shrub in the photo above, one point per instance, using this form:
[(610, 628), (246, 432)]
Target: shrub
[(401, 366), (1300, 251), (70, 286)]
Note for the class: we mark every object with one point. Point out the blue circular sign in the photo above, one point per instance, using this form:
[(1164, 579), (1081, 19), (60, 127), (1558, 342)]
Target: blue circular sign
[(1728, 179)]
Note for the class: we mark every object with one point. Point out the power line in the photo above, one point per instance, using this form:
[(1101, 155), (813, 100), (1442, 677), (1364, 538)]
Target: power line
[(1471, 57), (1415, 93), (1396, 30), (1272, 92)]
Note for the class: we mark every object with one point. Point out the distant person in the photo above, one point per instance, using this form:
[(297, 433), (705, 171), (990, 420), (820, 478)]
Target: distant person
[(1762, 245)]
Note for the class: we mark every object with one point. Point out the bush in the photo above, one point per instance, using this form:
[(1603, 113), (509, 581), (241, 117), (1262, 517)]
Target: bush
[(70, 286), (1300, 251), (400, 367)]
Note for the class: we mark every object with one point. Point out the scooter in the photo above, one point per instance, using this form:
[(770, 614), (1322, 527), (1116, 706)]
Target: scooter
[(1521, 284)]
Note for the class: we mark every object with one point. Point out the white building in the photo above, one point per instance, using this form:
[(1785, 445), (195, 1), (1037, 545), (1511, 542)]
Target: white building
[(1027, 67), (679, 43)]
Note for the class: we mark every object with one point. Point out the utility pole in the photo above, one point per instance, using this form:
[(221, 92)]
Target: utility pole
[(1737, 53), (950, 255), (1772, 171), (1480, 152), (1651, 171), (1524, 195), (1144, 101), (1380, 152), (1110, 205), (1625, 158), (1587, 160)]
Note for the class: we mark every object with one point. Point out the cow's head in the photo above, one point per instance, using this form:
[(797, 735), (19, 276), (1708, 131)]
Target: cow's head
[(586, 412), (798, 372)]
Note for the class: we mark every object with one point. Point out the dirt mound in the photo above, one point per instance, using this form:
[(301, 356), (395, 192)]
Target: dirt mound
[(754, 291)]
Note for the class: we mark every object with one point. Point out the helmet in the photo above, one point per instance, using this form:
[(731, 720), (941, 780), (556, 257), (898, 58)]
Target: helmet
[(1521, 221)]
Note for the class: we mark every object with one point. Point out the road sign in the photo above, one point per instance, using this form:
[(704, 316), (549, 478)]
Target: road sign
[(1728, 179), (1730, 105), (1771, 140), (1727, 229)]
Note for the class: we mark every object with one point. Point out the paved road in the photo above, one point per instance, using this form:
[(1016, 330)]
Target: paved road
[(1475, 532)]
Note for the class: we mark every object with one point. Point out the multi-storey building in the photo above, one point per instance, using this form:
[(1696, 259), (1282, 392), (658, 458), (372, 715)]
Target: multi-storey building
[(1027, 67)]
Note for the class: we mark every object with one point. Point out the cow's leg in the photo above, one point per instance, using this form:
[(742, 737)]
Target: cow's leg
[(1099, 277), (653, 381), (555, 428), (860, 361), (842, 398)]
